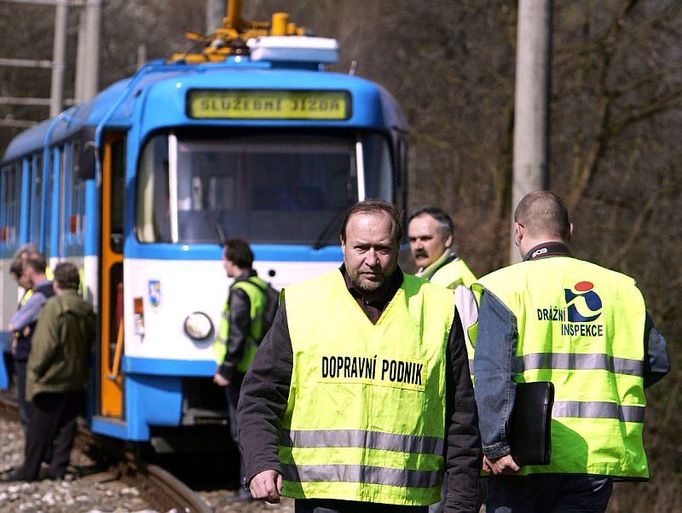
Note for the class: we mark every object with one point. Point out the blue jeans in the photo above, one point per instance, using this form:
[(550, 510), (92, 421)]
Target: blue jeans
[(540, 493)]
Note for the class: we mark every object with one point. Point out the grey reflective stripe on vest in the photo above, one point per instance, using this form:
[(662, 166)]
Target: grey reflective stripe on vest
[(578, 362), (598, 410), (363, 439), (363, 474)]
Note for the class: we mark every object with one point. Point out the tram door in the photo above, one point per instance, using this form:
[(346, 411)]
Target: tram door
[(112, 203)]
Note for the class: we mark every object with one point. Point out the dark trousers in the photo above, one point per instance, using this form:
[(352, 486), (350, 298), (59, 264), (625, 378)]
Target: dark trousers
[(232, 392), (9, 367), (24, 405), (548, 494), (336, 506), (52, 428)]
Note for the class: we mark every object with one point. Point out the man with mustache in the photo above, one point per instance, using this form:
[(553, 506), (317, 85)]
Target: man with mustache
[(430, 234), (360, 395)]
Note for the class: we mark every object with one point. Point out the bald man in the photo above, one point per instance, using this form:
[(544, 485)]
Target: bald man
[(583, 327)]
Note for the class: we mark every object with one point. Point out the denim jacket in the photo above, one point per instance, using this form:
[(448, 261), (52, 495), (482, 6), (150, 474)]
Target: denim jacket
[(495, 348)]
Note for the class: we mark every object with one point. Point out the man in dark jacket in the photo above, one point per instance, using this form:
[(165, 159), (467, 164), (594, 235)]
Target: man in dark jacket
[(344, 438), (57, 371), (241, 329)]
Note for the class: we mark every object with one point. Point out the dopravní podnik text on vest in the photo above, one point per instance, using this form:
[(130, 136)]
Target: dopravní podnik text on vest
[(373, 370)]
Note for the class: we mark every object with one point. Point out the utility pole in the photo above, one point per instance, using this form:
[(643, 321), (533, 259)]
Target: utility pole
[(215, 12), (87, 66), (58, 59), (531, 119), (90, 69)]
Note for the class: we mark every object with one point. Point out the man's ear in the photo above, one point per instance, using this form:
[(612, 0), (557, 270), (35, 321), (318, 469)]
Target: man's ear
[(518, 233)]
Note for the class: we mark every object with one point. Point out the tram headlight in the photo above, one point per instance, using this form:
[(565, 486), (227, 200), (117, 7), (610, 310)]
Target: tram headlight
[(198, 326)]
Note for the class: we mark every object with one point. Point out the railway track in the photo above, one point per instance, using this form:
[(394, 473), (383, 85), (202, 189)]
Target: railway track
[(158, 487), (164, 491)]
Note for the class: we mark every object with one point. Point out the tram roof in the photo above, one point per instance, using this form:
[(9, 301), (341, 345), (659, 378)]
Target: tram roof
[(239, 74)]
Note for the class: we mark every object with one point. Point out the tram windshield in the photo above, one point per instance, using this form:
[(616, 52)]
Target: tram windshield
[(265, 188)]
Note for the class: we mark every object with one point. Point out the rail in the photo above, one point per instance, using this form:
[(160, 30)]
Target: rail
[(158, 487), (165, 491)]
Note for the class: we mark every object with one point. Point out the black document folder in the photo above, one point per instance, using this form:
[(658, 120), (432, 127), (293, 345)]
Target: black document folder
[(530, 425)]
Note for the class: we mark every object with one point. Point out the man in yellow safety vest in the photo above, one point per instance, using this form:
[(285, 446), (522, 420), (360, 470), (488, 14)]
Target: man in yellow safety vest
[(555, 318), (431, 235), (360, 394), (240, 331), (430, 232)]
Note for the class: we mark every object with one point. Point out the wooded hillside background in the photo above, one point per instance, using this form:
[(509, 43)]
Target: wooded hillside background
[(616, 123)]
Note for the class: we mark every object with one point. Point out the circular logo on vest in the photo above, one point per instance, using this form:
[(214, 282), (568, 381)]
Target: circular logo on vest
[(584, 304)]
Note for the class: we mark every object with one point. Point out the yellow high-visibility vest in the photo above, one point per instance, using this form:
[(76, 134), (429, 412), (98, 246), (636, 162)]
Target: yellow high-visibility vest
[(451, 275), (255, 289), (365, 418), (582, 327)]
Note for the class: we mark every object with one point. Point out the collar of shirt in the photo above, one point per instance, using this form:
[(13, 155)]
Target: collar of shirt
[(245, 275), (445, 258), (41, 283), (373, 305), (547, 249)]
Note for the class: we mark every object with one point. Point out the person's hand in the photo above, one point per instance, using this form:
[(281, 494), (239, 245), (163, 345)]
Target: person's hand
[(486, 466), (267, 485), (14, 345), (220, 380), (504, 465)]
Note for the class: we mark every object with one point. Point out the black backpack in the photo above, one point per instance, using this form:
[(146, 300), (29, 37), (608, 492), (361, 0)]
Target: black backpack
[(271, 305)]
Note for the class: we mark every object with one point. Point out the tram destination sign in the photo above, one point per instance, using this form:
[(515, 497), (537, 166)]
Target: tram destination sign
[(271, 104)]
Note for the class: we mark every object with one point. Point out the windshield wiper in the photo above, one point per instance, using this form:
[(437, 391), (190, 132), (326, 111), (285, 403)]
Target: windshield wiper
[(222, 238), (322, 237)]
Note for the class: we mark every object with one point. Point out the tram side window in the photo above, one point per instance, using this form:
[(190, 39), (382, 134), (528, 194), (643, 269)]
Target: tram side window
[(74, 200), (49, 187), (36, 210), (11, 205)]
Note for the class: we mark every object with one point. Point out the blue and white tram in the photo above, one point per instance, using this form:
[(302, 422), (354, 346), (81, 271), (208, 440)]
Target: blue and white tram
[(136, 185)]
